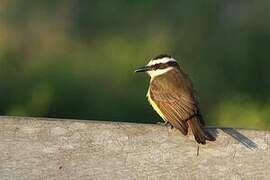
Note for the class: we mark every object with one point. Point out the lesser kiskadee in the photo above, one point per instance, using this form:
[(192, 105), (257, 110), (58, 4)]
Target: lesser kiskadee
[(172, 96)]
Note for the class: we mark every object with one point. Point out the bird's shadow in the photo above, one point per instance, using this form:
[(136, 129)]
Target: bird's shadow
[(248, 143), (235, 134)]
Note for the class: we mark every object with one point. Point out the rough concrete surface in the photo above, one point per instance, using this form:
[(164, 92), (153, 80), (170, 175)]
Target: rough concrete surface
[(39, 148)]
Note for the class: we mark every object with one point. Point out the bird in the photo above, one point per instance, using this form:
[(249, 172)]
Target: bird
[(173, 97)]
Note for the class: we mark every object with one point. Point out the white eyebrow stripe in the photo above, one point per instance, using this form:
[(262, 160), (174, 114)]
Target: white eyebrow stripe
[(161, 61)]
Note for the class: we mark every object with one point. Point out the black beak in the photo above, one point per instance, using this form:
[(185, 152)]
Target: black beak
[(142, 69)]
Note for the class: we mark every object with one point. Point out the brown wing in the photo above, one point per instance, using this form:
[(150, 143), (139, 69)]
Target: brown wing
[(173, 94)]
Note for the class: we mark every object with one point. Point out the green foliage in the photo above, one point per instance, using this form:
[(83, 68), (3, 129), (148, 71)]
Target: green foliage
[(75, 59), (243, 112)]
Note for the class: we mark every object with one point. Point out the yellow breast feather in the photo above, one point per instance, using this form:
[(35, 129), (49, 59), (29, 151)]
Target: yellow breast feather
[(155, 107)]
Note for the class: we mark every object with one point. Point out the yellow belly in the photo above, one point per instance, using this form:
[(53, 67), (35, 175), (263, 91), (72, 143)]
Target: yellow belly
[(155, 107)]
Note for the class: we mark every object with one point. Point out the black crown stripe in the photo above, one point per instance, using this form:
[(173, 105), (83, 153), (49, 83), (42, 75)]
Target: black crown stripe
[(161, 56)]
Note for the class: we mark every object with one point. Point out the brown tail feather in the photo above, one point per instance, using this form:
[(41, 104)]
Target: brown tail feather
[(200, 133)]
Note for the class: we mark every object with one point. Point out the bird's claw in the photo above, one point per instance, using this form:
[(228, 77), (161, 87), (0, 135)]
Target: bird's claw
[(166, 124)]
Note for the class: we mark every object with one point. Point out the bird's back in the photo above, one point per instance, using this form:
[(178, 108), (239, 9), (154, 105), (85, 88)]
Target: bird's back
[(172, 96)]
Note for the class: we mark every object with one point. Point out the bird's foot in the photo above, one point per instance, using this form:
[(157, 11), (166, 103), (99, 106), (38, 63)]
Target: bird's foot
[(166, 124)]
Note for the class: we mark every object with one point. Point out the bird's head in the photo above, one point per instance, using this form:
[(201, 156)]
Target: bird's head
[(159, 65)]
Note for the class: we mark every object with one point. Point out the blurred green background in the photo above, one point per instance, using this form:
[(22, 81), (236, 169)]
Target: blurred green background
[(75, 58)]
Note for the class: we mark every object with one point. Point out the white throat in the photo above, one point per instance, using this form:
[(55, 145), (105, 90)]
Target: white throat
[(159, 72)]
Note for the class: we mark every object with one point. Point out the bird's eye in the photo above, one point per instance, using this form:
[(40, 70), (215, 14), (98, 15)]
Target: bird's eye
[(162, 66), (157, 66)]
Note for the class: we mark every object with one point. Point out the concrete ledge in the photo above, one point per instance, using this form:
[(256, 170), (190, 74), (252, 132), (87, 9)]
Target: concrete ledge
[(36, 148)]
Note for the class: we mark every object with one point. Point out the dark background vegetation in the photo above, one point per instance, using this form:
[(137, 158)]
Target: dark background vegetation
[(75, 58)]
